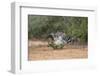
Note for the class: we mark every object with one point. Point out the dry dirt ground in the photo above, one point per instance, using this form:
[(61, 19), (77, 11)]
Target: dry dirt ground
[(38, 50)]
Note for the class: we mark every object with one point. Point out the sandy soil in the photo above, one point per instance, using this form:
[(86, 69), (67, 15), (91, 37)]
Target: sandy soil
[(38, 50)]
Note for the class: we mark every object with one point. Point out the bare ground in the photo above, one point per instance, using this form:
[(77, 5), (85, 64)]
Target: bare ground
[(38, 50)]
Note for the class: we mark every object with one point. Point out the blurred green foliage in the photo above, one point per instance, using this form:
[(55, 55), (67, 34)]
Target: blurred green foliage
[(40, 26)]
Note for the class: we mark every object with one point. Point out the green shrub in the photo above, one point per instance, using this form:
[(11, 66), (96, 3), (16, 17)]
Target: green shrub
[(40, 26)]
